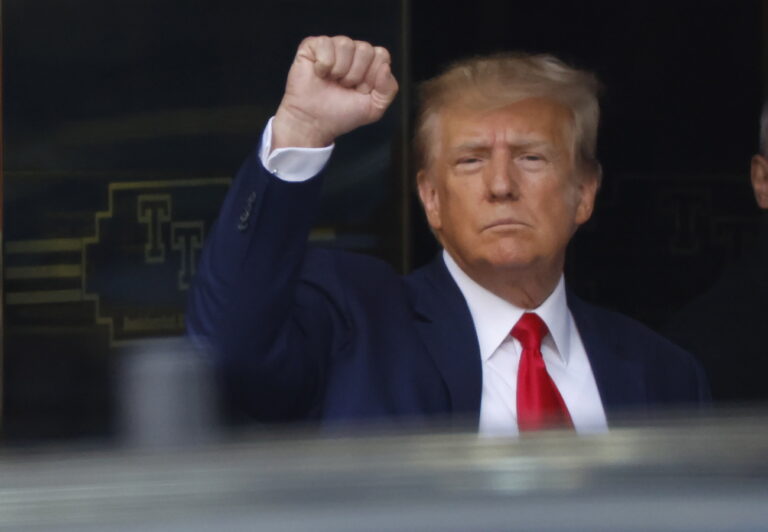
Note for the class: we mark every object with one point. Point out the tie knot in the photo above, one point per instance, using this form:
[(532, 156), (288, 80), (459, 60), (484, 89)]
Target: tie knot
[(529, 330)]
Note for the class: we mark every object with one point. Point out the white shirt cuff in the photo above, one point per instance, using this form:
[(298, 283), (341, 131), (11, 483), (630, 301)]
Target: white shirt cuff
[(292, 164)]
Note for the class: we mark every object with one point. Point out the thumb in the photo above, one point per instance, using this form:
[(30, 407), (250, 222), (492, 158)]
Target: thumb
[(384, 87)]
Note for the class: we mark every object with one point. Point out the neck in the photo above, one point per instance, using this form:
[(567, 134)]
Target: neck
[(525, 288)]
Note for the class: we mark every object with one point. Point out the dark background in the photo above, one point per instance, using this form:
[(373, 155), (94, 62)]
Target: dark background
[(680, 108), (118, 91)]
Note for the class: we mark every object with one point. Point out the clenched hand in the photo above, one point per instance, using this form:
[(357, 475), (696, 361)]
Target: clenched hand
[(335, 85)]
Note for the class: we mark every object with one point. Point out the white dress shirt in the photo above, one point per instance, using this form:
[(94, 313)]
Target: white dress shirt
[(562, 350), (493, 318), (292, 164)]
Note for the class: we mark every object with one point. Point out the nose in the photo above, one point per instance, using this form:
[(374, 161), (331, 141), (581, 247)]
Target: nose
[(502, 177)]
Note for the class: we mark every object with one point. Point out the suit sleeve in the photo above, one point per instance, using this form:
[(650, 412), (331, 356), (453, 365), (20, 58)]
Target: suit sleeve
[(267, 338)]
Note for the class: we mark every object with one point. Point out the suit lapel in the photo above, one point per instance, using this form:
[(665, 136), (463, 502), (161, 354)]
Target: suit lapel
[(445, 325), (619, 378)]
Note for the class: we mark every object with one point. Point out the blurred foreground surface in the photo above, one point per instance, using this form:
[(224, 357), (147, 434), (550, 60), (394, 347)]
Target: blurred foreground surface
[(703, 475)]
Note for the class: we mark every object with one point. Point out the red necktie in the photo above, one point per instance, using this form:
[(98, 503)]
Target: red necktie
[(539, 404)]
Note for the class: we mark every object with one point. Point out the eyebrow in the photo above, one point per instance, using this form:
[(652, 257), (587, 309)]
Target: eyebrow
[(482, 144)]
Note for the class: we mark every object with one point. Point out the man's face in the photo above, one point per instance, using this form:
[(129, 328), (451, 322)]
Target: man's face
[(501, 191), (759, 173)]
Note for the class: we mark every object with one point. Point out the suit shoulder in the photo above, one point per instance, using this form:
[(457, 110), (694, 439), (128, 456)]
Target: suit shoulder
[(636, 338), (349, 264), (668, 373), (342, 272)]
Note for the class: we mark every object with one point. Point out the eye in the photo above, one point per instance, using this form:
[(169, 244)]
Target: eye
[(468, 163), (532, 161)]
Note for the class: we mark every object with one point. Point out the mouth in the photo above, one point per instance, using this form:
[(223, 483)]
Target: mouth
[(505, 223)]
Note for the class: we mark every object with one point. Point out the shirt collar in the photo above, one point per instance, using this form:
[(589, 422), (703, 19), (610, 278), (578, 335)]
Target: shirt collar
[(494, 317)]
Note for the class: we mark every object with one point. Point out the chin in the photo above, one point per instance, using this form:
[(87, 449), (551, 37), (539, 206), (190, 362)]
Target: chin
[(512, 254), (511, 261)]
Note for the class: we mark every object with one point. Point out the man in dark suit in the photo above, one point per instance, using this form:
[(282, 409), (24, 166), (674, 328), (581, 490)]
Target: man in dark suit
[(486, 333), (725, 326)]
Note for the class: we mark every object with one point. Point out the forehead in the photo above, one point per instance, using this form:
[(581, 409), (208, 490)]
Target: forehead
[(532, 120)]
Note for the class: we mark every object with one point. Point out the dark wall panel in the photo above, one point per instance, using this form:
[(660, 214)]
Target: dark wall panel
[(125, 121)]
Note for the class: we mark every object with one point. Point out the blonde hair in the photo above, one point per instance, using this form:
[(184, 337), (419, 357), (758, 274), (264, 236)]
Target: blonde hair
[(505, 78)]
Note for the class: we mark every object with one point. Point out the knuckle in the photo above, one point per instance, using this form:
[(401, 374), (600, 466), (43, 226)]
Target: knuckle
[(307, 42), (363, 47), (315, 40), (382, 54), (343, 41)]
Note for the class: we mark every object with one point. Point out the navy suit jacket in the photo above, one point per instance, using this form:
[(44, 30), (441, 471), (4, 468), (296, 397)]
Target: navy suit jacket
[(310, 333)]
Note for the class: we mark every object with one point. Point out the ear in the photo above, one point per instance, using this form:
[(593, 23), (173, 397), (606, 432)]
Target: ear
[(587, 191), (759, 174), (429, 199)]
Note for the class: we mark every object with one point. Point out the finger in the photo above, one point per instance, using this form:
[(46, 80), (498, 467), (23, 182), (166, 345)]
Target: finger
[(380, 57), (344, 50), (361, 62), (320, 52), (385, 87)]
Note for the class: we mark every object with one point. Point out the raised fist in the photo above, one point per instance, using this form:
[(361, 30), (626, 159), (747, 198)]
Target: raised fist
[(334, 85)]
